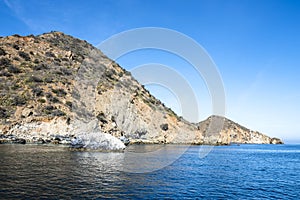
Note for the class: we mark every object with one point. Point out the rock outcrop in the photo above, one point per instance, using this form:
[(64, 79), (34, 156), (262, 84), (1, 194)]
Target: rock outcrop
[(54, 87), (234, 133)]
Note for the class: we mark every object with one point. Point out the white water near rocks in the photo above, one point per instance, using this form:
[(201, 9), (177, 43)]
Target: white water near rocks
[(99, 141)]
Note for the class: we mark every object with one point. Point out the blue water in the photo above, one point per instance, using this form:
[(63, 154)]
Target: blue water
[(234, 172)]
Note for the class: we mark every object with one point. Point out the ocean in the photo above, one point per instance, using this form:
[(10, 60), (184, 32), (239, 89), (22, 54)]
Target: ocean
[(174, 171)]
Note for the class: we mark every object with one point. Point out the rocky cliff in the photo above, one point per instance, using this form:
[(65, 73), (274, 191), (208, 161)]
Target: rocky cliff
[(54, 87)]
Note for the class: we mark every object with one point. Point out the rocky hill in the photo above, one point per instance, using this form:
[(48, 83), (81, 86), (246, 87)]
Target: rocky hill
[(54, 87)]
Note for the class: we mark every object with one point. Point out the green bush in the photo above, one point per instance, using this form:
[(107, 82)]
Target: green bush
[(37, 91), (16, 47), (5, 73), (13, 69), (24, 55), (18, 100), (33, 79), (40, 67), (58, 113), (41, 100), (48, 79), (2, 52), (50, 54), (3, 113), (69, 104), (51, 98), (101, 117), (59, 92), (4, 62)]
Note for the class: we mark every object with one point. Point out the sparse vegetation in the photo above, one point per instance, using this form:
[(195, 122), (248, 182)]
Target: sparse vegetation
[(18, 100), (40, 67), (101, 117), (164, 127), (58, 113), (2, 52), (51, 98), (15, 46), (5, 73), (41, 100), (127, 73), (50, 54), (3, 113), (65, 71), (13, 69), (59, 92), (53, 111), (24, 55), (33, 78), (48, 79), (69, 104), (38, 91), (4, 62)]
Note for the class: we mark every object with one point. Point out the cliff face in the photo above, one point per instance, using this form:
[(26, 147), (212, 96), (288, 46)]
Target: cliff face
[(53, 87)]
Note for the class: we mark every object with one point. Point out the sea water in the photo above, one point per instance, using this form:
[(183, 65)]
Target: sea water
[(231, 172)]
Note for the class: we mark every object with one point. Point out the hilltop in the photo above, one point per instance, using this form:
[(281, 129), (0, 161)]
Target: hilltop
[(54, 87)]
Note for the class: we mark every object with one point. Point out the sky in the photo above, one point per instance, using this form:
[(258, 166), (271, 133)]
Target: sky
[(255, 45)]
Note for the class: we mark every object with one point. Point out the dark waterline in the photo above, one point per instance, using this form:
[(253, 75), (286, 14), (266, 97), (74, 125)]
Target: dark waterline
[(235, 172)]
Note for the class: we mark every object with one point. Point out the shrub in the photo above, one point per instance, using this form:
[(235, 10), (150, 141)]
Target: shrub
[(127, 73), (50, 54), (57, 60), (59, 92), (15, 86), (17, 58), (49, 108), (33, 79), (18, 100), (58, 113), (13, 69), (41, 100), (66, 71), (2, 52), (51, 98), (24, 55), (38, 91), (5, 73), (53, 111), (69, 104), (164, 127), (3, 113), (101, 117), (48, 79), (40, 67), (15, 46), (4, 61)]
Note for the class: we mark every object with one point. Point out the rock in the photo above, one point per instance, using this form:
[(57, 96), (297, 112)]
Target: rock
[(275, 141), (19, 141), (125, 140), (40, 141), (27, 112)]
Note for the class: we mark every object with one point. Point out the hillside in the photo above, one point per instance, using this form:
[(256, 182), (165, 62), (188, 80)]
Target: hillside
[(54, 87)]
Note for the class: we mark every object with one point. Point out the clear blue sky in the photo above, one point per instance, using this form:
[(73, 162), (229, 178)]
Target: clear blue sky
[(255, 44)]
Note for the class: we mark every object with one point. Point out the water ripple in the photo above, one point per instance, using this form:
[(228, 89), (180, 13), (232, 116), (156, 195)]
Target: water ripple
[(233, 172)]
